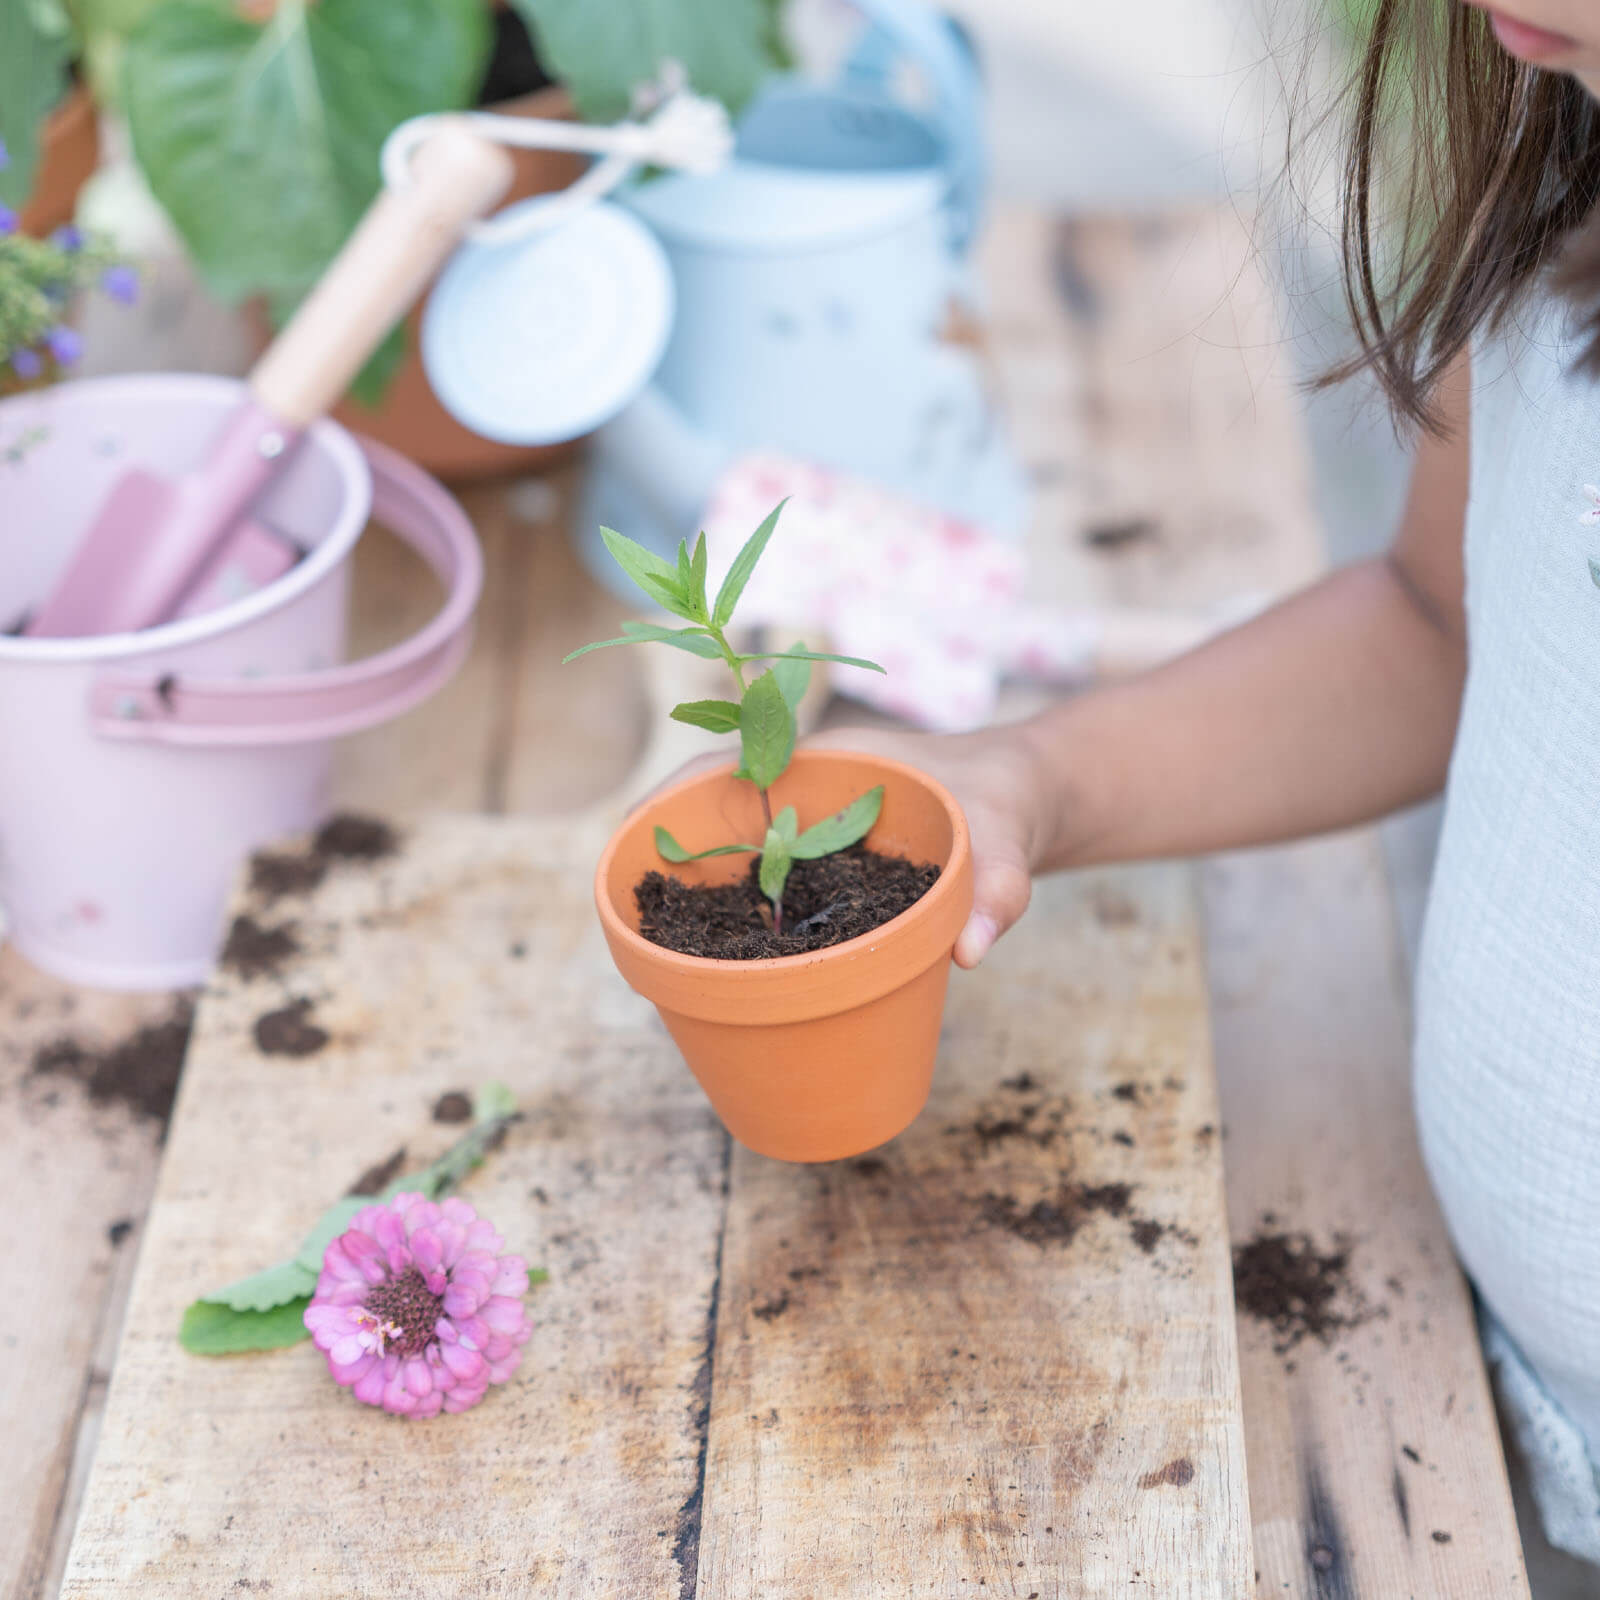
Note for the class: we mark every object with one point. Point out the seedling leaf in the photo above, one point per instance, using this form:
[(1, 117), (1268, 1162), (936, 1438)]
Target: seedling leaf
[(766, 732), (697, 580), (775, 863), (743, 565), (657, 578), (794, 678), (787, 823), (670, 850), (695, 640), (716, 716), (800, 654), (840, 830)]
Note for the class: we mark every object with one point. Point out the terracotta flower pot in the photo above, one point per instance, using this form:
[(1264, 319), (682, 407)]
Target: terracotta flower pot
[(69, 152), (410, 418), (813, 1057)]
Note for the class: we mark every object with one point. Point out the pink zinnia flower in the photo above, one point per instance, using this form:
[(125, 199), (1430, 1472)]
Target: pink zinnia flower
[(417, 1310)]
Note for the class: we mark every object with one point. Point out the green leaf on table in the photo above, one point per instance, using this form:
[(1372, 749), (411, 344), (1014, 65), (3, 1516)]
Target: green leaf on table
[(210, 1328), (493, 1102), (261, 140), (776, 860), (766, 732), (603, 49), (262, 1291), (669, 849), (794, 677), (695, 640), (660, 580), (840, 830), (744, 564), (716, 716), (1594, 571), (35, 47), (799, 653)]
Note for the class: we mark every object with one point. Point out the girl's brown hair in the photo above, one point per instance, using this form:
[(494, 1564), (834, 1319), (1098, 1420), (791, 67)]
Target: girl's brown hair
[(1502, 170)]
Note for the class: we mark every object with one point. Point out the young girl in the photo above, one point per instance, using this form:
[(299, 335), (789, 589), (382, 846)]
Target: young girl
[(1467, 658)]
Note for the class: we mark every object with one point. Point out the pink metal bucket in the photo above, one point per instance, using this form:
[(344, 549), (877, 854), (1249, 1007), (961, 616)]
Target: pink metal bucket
[(139, 769)]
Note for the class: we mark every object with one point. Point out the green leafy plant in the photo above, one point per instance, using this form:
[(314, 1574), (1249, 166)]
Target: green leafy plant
[(763, 715), (258, 123), (603, 52), (36, 50)]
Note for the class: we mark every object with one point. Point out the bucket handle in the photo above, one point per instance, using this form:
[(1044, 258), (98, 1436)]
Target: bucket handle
[(303, 708)]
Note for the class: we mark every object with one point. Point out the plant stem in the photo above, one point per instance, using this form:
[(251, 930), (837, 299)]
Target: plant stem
[(736, 667)]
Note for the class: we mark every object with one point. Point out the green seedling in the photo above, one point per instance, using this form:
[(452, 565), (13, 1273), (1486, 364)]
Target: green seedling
[(763, 714)]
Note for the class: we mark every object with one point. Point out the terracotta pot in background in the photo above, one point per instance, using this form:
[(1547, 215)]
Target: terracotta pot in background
[(68, 154), (410, 418), (814, 1057)]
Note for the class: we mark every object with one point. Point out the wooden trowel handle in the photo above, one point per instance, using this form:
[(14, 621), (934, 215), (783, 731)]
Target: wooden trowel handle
[(396, 248)]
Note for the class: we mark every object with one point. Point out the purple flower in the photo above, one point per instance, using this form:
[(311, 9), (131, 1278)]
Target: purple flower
[(8, 218), (5, 156), (26, 364), (68, 238), (65, 345), (121, 283)]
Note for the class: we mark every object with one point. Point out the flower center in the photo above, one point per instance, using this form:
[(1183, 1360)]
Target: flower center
[(407, 1311)]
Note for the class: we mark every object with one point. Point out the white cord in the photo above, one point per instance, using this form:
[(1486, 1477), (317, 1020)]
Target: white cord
[(687, 132)]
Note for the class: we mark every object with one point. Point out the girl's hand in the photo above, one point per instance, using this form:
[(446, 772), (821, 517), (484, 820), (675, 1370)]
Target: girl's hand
[(1002, 785)]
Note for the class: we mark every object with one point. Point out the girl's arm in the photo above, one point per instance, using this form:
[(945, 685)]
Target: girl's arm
[(1331, 709)]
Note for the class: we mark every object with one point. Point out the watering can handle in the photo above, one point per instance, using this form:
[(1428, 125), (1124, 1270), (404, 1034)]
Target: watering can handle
[(933, 40), (308, 707)]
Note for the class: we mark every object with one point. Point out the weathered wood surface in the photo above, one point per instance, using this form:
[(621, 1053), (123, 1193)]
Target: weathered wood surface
[(848, 1445), (472, 956), (972, 1362), (1159, 362), (74, 1182)]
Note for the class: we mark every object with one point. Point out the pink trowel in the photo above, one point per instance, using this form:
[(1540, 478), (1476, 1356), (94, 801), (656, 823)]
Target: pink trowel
[(163, 547)]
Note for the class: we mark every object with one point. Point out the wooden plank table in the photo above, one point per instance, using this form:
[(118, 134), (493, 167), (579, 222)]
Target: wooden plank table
[(975, 1358), (1140, 362)]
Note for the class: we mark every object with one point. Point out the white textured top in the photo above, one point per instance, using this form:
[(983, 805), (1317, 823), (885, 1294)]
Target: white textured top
[(1508, 995)]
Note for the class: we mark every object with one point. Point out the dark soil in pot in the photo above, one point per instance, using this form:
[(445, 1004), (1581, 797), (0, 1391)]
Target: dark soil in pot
[(826, 901)]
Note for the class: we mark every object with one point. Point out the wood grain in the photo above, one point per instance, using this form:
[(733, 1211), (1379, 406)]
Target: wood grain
[(973, 1362), (472, 955), (76, 1180), (1182, 420)]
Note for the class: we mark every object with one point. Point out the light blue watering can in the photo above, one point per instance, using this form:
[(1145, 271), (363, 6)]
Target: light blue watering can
[(796, 299), (816, 276)]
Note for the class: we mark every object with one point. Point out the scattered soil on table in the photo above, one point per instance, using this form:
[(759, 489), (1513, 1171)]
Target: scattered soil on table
[(352, 838), (347, 837), (452, 1106), (380, 1175), (1059, 1220), (119, 1230), (289, 1031), (1175, 1475), (1300, 1292), (254, 950), (827, 901), (139, 1072)]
